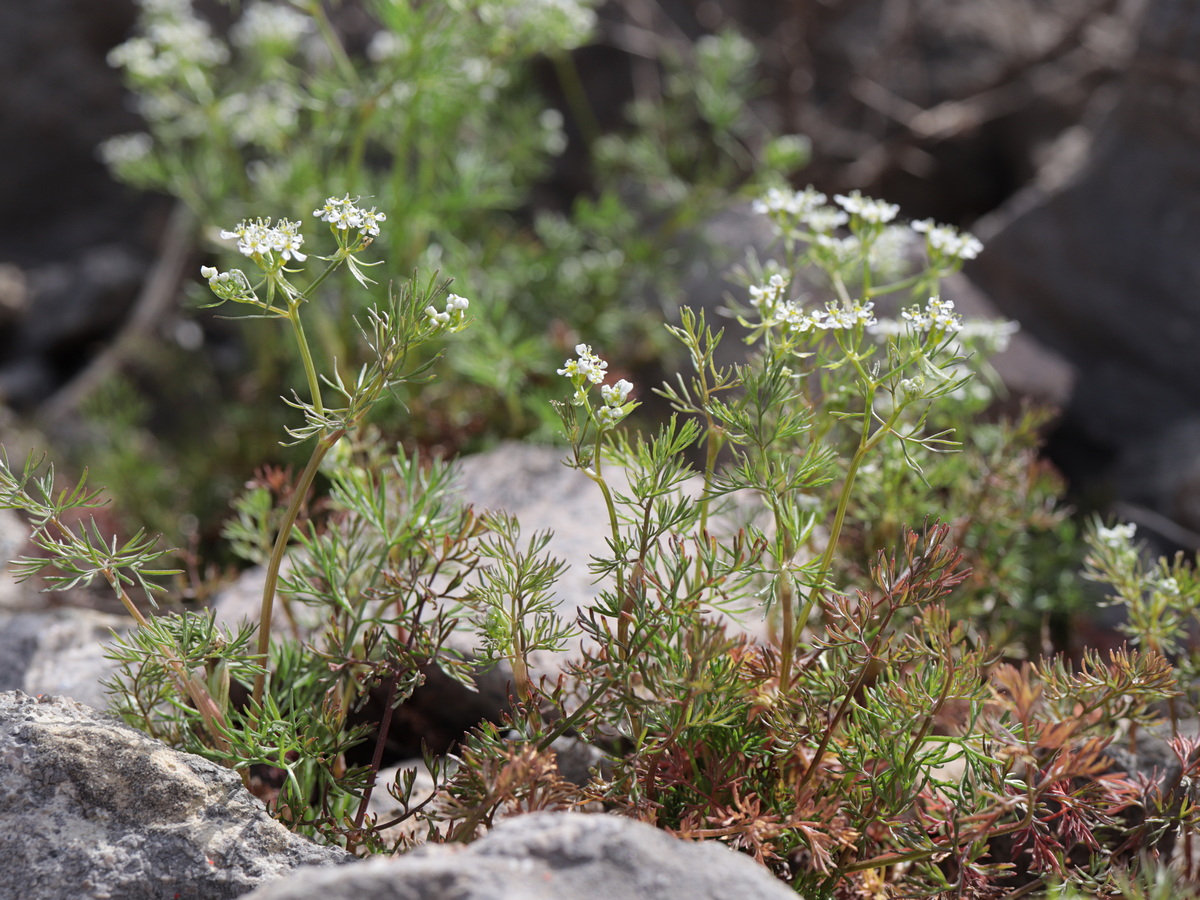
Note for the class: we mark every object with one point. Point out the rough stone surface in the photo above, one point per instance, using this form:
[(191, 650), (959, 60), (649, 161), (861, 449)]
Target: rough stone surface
[(90, 808), (547, 856), (58, 651)]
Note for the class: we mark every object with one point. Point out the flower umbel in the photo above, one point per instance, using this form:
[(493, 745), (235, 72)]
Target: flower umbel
[(259, 239), (947, 240), (344, 214), (451, 319), (938, 315)]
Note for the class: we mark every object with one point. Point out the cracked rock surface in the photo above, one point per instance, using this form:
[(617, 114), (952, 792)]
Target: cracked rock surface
[(91, 808)]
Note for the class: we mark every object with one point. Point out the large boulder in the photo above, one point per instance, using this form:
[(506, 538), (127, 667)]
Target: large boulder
[(92, 808), (1101, 265), (546, 856), (60, 652)]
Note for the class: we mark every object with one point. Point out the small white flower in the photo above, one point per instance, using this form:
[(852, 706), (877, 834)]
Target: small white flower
[(764, 297), (937, 315), (616, 394), (607, 416), (1118, 537), (588, 365), (848, 315), (286, 238), (824, 219), (947, 240), (370, 221), (125, 149), (840, 250), (869, 210), (791, 203), (270, 25)]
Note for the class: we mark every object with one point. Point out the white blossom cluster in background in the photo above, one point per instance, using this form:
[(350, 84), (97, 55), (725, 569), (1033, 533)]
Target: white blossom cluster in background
[(271, 27), (877, 212), (564, 24), (947, 239), (265, 116), (174, 43), (1118, 537), (796, 204), (790, 210)]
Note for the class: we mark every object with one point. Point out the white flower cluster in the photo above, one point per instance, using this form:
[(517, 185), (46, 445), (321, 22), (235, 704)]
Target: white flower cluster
[(824, 219), (125, 149), (552, 23), (587, 366), (1118, 537), (841, 251), (947, 239), (867, 209), (260, 238), (456, 308), (264, 116), (227, 285), (615, 397), (767, 296), (791, 203), (174, 40), (271, 26), (833, 317), (938, 315), (343, 214)]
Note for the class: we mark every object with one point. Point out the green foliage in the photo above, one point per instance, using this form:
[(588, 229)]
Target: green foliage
[(884, 733)]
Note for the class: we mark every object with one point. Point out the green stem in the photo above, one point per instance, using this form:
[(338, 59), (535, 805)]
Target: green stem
[(866, 444), (786, 600), (299, 495), (310, 371), (594, 472)]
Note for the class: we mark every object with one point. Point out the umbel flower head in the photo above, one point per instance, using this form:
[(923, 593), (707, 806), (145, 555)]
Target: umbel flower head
[(342, 214), (588, 369), (947, 240), (260, 239), (452, 317)]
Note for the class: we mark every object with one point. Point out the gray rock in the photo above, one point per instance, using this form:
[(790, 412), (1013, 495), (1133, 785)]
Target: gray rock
[(13, 535), (92, 808), (60, 652), (1101, 267), (546, 856)]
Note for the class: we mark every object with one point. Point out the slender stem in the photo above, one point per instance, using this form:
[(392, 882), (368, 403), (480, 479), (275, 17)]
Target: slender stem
[(866, 444), (299, 495), (786, 600), (377, 759), (310, 371)]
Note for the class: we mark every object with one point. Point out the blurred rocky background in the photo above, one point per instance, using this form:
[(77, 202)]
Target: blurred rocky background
[(1063, 134)]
